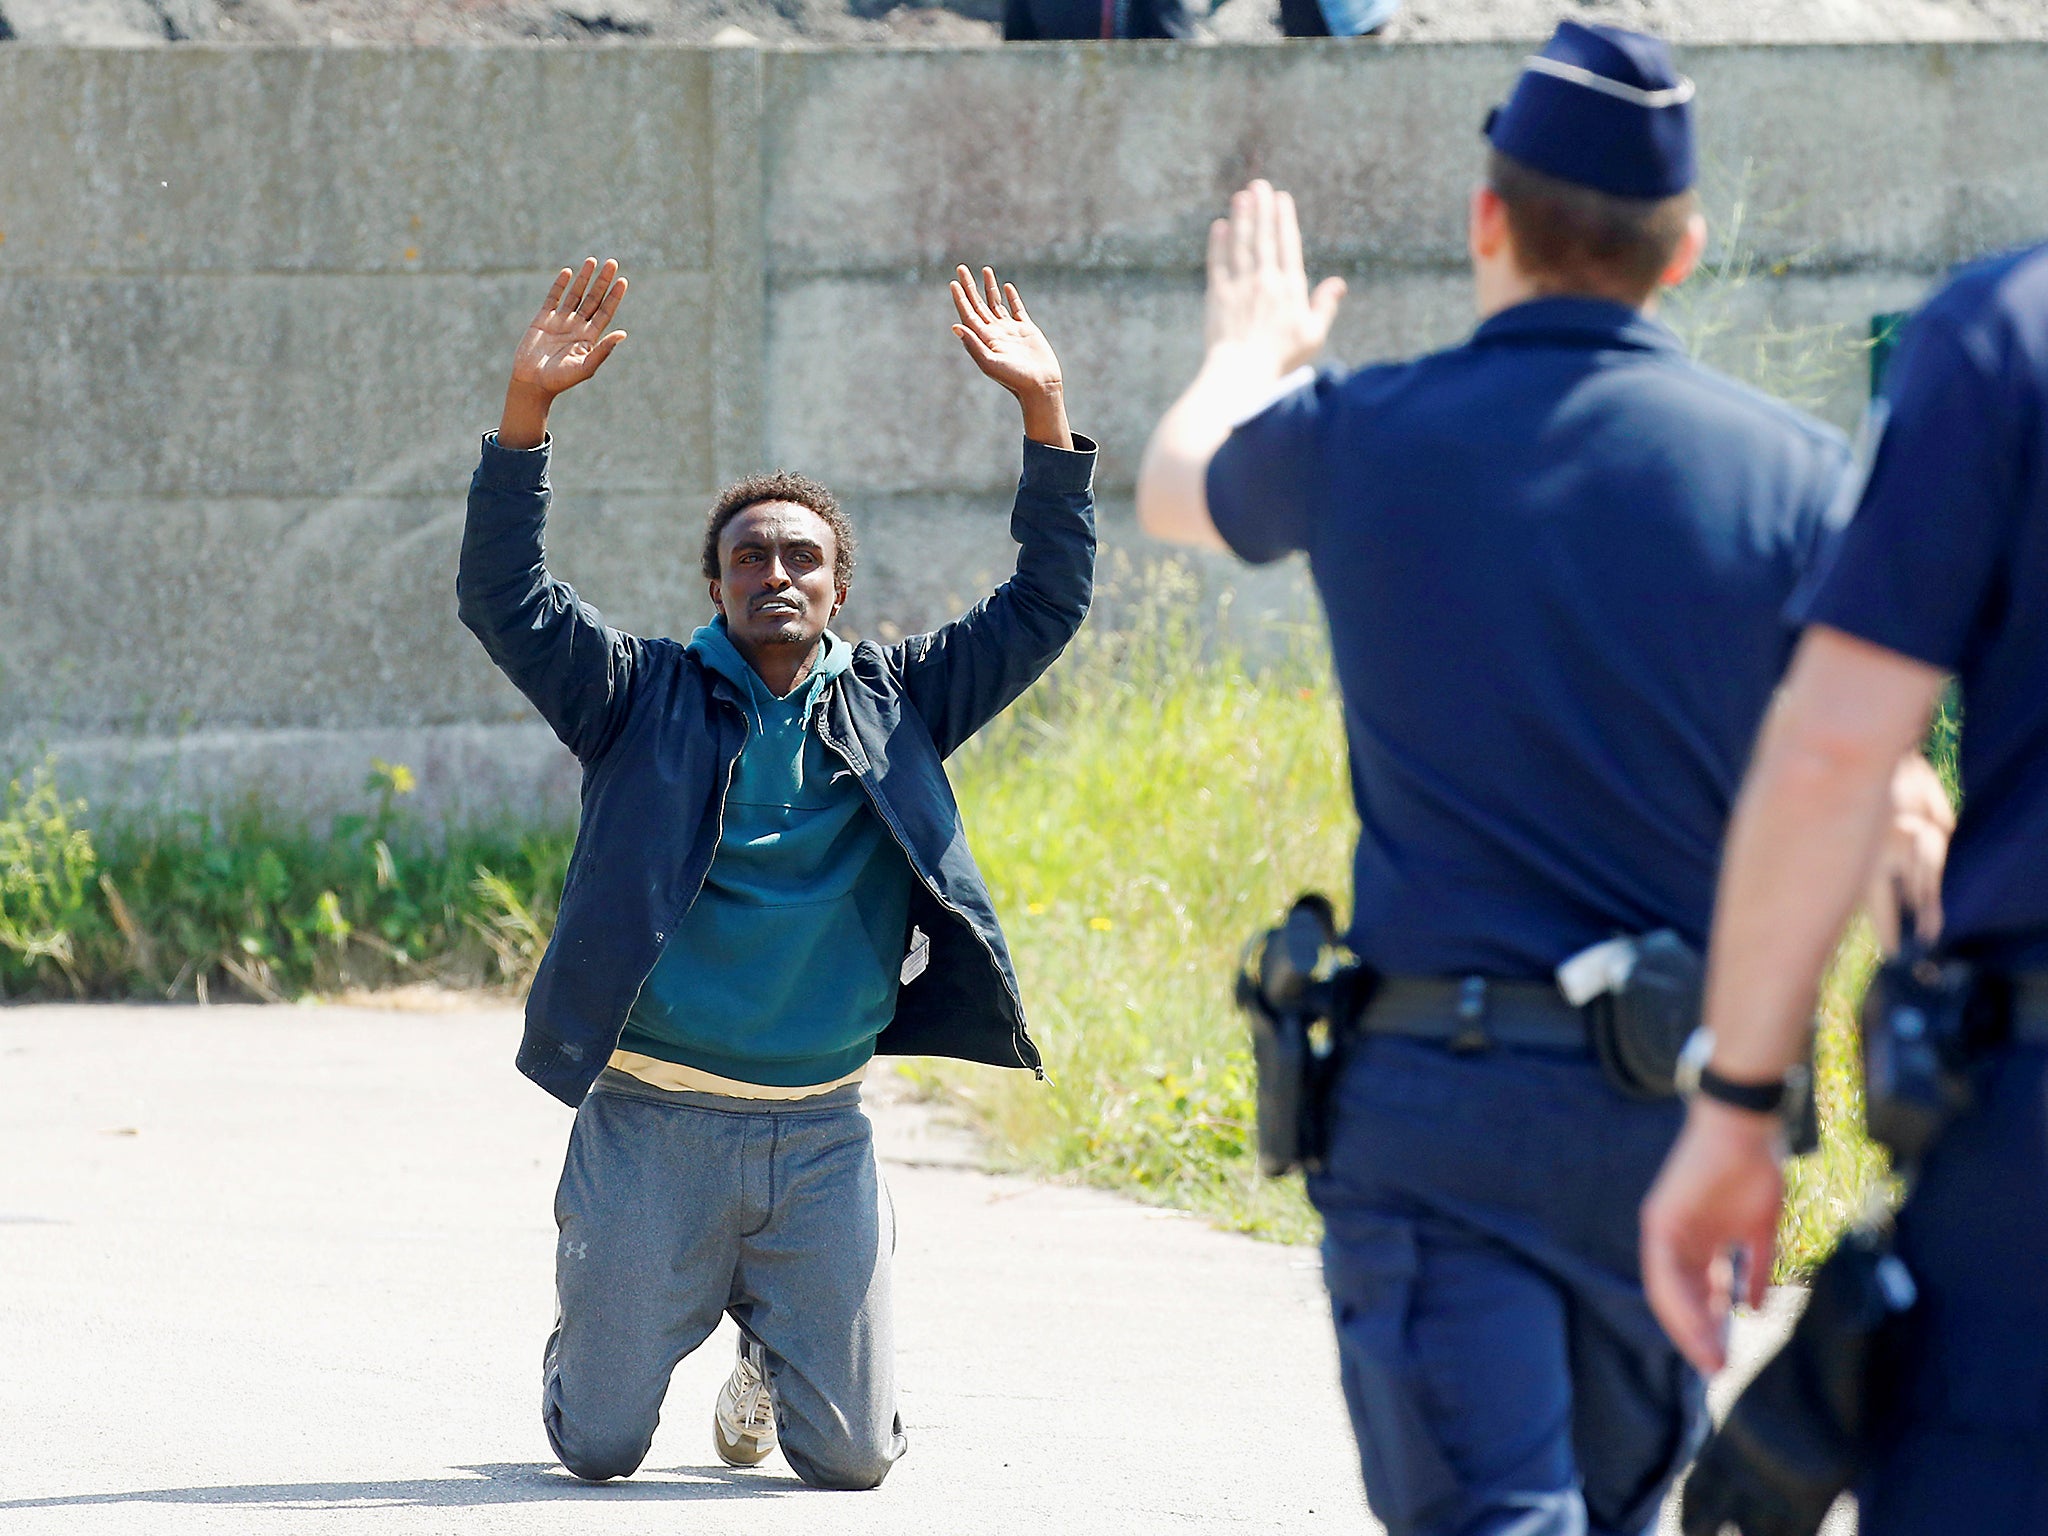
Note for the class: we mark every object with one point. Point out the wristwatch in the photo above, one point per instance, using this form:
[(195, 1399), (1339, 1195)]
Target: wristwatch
[(1695, 1076)]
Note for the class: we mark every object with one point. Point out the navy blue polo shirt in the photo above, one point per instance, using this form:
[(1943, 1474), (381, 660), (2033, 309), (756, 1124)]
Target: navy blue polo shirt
[(1946, 560), (1555, 563)]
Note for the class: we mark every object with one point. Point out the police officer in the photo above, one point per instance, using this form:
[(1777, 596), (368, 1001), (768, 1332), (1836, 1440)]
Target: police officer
[(1943, 571), (1554, 562)]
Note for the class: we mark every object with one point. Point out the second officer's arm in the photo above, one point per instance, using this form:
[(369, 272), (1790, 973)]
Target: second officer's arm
[(1807, 827), (1263, 324), (1895, 613)]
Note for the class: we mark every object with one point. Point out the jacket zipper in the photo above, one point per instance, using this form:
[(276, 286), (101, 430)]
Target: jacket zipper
[(717, 836), (903, 843)]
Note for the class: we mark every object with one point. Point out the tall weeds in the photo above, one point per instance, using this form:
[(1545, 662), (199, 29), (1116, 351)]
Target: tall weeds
[(254, 903)]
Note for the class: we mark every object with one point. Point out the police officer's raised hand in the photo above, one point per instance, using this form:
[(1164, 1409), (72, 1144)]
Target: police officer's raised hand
[(1263, 323), (1260, 308), (566, 343)]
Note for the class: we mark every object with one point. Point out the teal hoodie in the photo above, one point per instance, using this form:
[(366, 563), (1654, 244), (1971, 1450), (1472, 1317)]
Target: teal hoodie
[(785, 968)]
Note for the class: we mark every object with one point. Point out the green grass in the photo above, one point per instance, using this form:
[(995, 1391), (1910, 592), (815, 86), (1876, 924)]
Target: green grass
[(254, 903), (1138, 816)]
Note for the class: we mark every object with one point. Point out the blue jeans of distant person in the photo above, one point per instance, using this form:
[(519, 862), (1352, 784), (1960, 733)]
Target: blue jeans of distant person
[(1504, 1372), (1963, 1442), (677, 1208)]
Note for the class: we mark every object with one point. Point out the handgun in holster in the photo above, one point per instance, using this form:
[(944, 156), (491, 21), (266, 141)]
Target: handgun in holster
[(1801, 1430), (1300, 998)]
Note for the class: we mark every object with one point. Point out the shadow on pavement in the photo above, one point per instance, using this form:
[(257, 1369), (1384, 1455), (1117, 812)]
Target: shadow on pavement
[(502, 1482)]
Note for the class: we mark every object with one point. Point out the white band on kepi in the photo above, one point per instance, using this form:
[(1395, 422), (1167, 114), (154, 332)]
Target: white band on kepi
[(1572, 74)]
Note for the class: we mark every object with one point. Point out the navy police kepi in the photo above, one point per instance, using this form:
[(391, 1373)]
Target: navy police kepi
[(1603, 108)]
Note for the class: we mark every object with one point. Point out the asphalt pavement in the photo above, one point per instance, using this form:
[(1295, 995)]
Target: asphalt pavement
[(268, 1270), (281, 1270)]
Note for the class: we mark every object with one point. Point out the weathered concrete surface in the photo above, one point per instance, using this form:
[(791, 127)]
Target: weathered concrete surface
[(266, 296), (353, 161), (290, 1270)]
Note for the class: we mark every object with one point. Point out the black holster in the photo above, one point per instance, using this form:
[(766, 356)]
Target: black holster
[(1301, 1002), (1796, 1437), (1639, 1028)]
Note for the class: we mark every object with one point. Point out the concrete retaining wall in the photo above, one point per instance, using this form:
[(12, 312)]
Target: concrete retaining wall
[(260, 304)]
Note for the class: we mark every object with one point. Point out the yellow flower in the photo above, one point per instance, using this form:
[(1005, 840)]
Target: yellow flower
[(1100, 924), (1036, 908)]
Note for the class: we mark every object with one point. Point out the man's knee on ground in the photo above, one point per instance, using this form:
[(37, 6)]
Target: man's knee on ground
[(843, 1466), (603, 1463), (850, 1477), (598, 1457)]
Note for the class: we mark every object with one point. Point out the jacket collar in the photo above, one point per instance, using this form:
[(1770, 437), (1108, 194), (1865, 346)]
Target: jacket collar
[(1575, 321), (732, 677)]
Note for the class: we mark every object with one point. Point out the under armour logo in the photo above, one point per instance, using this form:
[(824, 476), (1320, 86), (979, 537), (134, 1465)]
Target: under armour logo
[(575, 1250)]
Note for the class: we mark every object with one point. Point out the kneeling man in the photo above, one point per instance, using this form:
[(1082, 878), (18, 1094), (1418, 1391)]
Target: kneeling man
[(770, 884)]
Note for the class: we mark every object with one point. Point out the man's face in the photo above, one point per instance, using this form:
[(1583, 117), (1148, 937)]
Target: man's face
[(776, 585)]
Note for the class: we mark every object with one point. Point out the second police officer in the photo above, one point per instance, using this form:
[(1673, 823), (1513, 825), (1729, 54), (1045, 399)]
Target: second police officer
[(1942, 572), (1554, 561)]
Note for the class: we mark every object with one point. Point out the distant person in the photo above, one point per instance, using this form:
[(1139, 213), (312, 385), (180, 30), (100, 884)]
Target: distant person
[(770, 885), (1336, 18), (1554, 561), (1047, 21), (1943, 572)]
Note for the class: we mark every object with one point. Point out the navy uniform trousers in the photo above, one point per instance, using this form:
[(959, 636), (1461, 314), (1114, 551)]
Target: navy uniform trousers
[(1963, 1443), (1504, 1373)]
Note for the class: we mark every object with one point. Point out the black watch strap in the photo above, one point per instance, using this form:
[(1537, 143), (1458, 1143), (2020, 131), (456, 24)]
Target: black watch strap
[(1757, 1098)]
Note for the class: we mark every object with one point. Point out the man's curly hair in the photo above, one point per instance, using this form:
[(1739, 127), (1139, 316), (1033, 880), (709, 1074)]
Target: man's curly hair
[(780, 485)]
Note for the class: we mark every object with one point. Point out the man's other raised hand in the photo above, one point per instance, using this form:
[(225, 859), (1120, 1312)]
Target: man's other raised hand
[(1010, 348), (567, 342)]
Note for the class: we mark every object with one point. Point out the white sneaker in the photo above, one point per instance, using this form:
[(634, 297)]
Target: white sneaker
[(743, 1424)]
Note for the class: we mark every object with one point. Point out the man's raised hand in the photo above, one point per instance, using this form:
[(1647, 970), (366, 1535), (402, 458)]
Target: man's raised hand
[(1007, 346), (566, 343)]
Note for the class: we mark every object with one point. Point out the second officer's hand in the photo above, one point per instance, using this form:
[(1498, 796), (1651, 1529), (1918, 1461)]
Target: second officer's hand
[(1261, 313), (1910, 860), (1719, 1195), (1007, 345)]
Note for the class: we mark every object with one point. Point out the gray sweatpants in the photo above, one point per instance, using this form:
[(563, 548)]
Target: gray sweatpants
[(677, 1207)]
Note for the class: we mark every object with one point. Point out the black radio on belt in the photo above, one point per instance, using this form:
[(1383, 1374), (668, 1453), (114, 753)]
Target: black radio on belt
[(1299, 998)]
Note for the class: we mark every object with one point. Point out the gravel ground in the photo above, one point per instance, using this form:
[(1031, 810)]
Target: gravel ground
[(286, 1272), (966, 22)]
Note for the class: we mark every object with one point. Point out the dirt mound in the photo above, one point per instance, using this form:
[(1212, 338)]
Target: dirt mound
[(955, 22)]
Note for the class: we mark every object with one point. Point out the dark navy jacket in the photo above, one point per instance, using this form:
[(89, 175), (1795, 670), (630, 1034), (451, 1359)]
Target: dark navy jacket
[(658, 734)]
